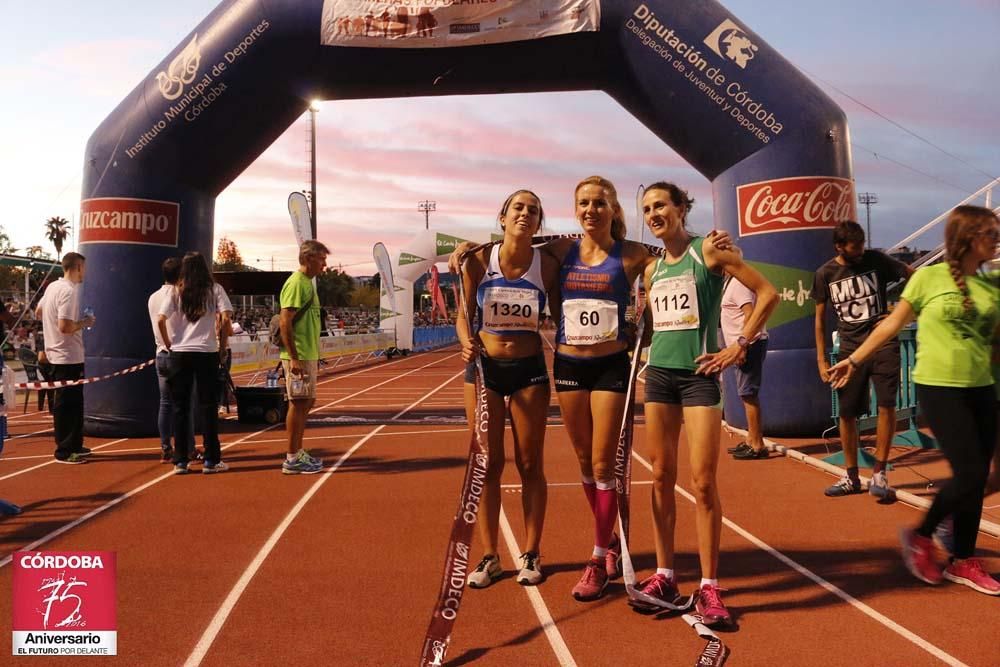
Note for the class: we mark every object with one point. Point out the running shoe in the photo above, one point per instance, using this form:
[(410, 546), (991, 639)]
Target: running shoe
[(302, 464), (486, 572), (879, 487), (944, 536), (167, 455), (845, 486), (73, 459), (84, 451), (530, 573), (708, 603), (749, 453), (918, 556), (739, 448), (661, 588), (209, 469), (593, 582), (181, 468), (970, 572), (613, 558)]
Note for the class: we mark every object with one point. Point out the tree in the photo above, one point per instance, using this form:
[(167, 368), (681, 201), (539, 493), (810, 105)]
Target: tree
[(228, 257), (365, 296), (56, 231), (36, 252), (334, 288), (5, 245)]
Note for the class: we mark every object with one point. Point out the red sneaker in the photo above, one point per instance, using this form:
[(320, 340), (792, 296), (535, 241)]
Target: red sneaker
[(613, 559), (971, 573), (593, 582), (708, 603), (918, 555)]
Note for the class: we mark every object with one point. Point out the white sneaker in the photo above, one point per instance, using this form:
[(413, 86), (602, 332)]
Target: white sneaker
[(530, 573), (218, 467), (879, 487), (486, 572)]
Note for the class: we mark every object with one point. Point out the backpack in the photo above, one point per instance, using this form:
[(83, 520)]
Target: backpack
[(274, 326)]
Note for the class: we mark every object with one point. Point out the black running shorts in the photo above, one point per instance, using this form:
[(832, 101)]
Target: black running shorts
[(682, 387), (608, 373), (882, 369)]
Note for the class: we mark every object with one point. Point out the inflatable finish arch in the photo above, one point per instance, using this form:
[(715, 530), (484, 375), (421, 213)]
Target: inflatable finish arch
[(774, 146)]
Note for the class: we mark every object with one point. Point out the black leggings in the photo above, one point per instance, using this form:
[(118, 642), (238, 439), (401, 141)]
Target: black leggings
[(964, 422)]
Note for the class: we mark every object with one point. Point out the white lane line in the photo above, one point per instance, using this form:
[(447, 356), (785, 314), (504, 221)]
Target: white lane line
[(552, 633), (916, 639), (381, 435), (59, 531), (52, 461), (215, 625), (28, 435)]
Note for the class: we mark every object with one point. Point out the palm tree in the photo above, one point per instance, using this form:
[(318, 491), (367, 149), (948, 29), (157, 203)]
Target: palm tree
[(56, 230)]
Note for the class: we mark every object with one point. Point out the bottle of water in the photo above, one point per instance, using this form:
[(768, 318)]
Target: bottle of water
[(272, 379), (88, 312)]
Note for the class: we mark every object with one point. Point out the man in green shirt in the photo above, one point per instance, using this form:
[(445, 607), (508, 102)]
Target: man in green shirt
[(300, 329)]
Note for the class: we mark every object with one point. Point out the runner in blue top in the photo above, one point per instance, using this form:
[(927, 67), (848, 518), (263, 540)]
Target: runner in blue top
[(505, 286)]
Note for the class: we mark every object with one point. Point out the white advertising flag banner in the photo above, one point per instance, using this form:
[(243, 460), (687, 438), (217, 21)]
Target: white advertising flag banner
[(440, 23)]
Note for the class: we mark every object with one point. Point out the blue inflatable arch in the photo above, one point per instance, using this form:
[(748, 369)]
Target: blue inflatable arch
[(773, 145)]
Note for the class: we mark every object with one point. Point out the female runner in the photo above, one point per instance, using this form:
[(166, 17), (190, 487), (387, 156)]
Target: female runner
[(957, 312), (684, 292), (506, 286)]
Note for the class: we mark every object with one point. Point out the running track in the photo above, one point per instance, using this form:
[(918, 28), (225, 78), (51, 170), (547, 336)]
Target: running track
[(252, 567)]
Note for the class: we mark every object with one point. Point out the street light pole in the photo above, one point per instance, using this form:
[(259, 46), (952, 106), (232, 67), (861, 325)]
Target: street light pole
[(427, 206), (313, 108), (868, 199)]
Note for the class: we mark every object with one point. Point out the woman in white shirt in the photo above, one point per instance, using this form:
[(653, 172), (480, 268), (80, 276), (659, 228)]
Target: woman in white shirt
[(195, 349)]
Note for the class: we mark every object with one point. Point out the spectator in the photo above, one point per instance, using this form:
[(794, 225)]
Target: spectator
[(738, 302), (300, 329), (60, 313), (194, 358), (855, 283)]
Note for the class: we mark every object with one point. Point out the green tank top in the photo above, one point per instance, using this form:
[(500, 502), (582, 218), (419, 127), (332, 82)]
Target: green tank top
[(685, 300)]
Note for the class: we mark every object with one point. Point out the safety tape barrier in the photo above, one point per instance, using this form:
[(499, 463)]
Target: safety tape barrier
[(58, 384)]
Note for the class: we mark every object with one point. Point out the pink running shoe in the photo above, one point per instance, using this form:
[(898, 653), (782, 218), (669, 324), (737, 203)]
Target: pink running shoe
[(708, 603), (613, 559), (918, 556), (593, 582), (971, 573), (659, 588)]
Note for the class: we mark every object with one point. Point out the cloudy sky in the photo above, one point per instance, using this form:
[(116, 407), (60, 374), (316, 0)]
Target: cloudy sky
[(931, 66)]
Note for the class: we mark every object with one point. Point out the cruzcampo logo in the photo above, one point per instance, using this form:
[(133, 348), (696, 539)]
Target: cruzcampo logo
[(446, 244), (794, 286), (407, 258)]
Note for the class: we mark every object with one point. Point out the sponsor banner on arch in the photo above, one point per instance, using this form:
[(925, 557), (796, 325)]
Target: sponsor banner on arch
[(65, 603), (441, 23), (124, 220), (795, 204)]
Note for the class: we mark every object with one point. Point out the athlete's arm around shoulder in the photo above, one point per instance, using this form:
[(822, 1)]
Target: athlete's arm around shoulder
[(556, 249), (636, 258)]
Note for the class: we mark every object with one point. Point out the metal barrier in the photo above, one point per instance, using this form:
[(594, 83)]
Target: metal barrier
[(906, 405), (429, 338)]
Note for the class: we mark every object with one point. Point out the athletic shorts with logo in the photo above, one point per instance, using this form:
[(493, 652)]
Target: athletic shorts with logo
[(607, 373), (508, 376)]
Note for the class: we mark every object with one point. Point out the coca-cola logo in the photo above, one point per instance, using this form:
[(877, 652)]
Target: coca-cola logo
[(122, 220), (790, 204)]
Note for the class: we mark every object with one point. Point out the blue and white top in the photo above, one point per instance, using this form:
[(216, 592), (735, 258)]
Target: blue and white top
[(511, 306), (594, 298)]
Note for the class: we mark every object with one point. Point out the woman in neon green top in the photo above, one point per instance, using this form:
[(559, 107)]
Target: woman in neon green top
[(683, 292), (957, 312)]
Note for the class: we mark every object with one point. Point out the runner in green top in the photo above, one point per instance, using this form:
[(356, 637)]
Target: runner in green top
[(683, 293), (958, 312)]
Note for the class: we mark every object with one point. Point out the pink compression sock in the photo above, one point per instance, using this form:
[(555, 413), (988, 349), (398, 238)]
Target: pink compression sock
[(590, 490), (605, 513)]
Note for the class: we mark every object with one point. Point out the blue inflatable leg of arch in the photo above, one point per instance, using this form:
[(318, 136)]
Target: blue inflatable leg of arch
[(774, 146)]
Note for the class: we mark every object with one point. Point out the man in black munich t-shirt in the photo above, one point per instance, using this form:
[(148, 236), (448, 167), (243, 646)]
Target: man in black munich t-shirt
[(854, 284)]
